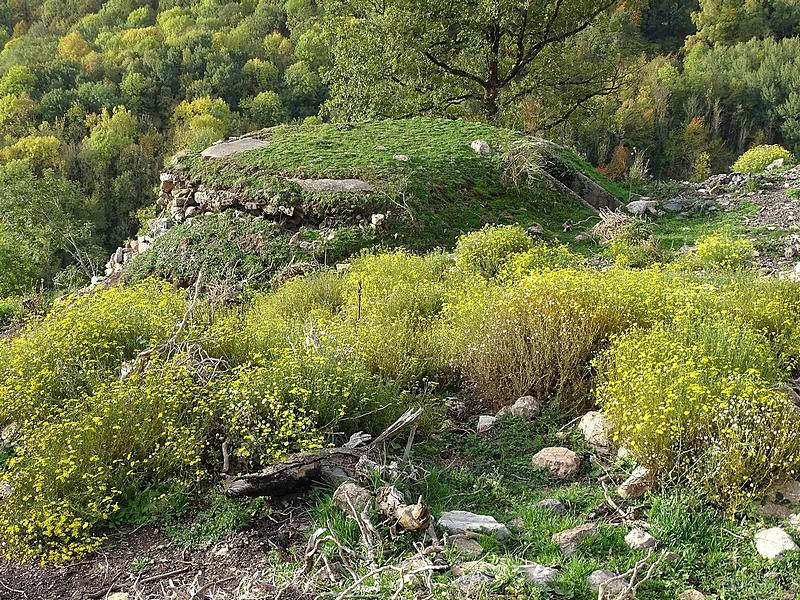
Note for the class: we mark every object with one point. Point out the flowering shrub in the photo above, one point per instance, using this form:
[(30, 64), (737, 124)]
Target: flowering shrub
[(81, 343), (539, 258), (758, 158), (724, 251), (698, 400), (83, 461), (485, 252)]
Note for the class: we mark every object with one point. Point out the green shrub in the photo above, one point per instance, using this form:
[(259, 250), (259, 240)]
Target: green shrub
[(724, 251), (758, 158), (10, 310), (485, 252), (85, 459), (635, 254), (698, 400)]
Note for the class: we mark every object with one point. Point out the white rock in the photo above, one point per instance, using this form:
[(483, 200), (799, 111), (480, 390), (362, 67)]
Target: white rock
[(641, 481), (460, 521), (481, 147), (605, 578), (776, 164), (774, 542), (538, 575), (468, 547), (118, 596), (692, 595), (485, 423), (401, 157), (377, 220), (594, 428), (639, 539), (472, 581), (223, 149), (640, 207)]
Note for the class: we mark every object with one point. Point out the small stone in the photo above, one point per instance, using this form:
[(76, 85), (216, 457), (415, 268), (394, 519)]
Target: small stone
[(5, 490), (469, 583), (774, 543), (342, 267), (401, 157), (473, 566), (776, 164), (782, 499), (639, 539), (485, 423), (535, 230), (568, 540), (594, 428), (377, 220), (517, 524), (553, 505), (606, 579), (459, 521), (692, 595), (349, 494), (538, 575), (641, 481), (623, 453), (561, 462), (481, 147), (527, 407), (467, 546), (793, 521), (118, 596)]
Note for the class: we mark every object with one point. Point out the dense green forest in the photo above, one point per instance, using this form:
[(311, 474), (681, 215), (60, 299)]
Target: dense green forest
[(94, 95)]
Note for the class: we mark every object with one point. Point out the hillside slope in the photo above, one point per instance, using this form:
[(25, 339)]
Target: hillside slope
[(317, 194)]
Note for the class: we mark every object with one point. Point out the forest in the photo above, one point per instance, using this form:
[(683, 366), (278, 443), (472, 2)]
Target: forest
[(94, 96)]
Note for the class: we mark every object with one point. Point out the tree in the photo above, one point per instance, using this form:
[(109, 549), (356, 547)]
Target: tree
[(730, 21), (406, 56)]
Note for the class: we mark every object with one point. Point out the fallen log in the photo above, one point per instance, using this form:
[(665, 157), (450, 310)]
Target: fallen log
[(299, 472)]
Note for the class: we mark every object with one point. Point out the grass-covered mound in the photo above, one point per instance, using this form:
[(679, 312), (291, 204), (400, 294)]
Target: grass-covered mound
[(427, 182)]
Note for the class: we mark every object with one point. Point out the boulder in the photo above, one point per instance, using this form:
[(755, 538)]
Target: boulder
[(774, 543), (459, 521), (605, 579), (485, 423), (481, 147), (639, 539), (561, 462), (349, 496), (223, 149), (594, 428), (332, 186), (641, 481), (553, 505), (569, 539), (776, 164), (692, 594), (538, 575)]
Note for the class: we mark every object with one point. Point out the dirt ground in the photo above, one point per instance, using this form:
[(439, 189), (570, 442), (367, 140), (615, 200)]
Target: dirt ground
[(141, 563)]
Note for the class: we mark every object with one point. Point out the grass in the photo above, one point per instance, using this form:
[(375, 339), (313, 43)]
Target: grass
[(443, 190)]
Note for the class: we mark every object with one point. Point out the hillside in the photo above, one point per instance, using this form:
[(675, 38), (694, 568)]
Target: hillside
[(317, 194)]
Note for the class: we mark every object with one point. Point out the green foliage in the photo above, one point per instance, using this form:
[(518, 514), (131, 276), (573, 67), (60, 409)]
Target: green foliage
[(10, 310), (228, 249), (487, 251), (697, 400), (405, 60), (222, 517), (758, 158), (540, 257)]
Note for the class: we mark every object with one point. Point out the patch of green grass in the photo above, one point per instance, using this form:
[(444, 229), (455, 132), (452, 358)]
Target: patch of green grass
[(443, 190), (221, 518)]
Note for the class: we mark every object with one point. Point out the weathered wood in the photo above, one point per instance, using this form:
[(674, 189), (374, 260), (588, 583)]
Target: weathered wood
[(296, 474), (299, 472)]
